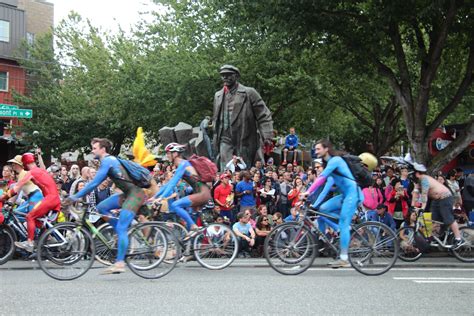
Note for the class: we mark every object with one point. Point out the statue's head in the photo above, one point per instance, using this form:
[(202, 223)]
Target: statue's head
[(229, 74)]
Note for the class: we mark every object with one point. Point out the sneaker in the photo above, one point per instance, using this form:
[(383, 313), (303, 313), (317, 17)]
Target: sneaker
[(25, 245), (284, 163), (339, 263), (114, 269), (192, 233), (458, 244)]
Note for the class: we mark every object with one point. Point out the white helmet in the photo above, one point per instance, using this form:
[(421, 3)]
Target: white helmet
[(175, 147)]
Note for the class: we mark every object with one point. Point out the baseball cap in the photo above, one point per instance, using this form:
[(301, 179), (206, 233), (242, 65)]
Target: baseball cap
[(224, 175)]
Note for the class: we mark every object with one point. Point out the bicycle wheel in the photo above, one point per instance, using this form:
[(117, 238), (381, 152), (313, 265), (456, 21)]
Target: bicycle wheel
[(105, 244), (465, 253), (408, 250), (149, 255), (373, 248), (290, 248), (66, 251), (215, 247), (179, 232), (7, 243)]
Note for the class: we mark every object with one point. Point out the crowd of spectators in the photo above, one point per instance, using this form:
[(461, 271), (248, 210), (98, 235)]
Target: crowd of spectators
[(254, 199)]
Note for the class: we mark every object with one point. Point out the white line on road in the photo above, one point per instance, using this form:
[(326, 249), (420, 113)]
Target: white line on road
[(443, 281), (437, 278), (397, 269)]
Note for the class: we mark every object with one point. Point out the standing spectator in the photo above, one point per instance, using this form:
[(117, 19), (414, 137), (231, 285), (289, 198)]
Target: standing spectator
[(291, 144), (66, 180), (468, 194), (285, 188), (453, 185), (84, 177), (398, 202), (318, 166), (236, 164), (406, 182), (244, 190), (298, 188), (245, 235), (7, 175), (268, 195), (260, 167), (224, 196), (373, 197), (389, 174), (74, 173)]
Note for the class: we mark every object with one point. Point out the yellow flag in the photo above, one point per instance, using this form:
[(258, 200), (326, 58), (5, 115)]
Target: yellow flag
[(140, 152)]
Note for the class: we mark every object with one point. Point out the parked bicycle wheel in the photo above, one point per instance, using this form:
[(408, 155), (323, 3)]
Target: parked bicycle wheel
[(66, 251), (465, 253), (290, 248), (373, 248), (105, 244), (215, 247), (7, 243), (148, 255), (410, 249)]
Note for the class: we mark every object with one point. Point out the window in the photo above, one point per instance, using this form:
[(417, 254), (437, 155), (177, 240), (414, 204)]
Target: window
[(4, 31), (3, 81), (30, 38)]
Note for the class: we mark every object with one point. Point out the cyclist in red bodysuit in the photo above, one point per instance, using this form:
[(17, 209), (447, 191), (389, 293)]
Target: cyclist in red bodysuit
[(51, 200)]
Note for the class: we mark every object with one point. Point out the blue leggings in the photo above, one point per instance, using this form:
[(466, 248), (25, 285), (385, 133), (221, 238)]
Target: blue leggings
[(347, 206), (121, 224), (179, 206)]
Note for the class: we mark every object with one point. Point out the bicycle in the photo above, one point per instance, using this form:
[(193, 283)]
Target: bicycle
[(214, 245), (414, 241), (13, 229), (67, 250), (292, 247)]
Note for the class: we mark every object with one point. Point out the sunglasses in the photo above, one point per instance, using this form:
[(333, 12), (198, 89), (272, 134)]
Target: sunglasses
[(265, 220)]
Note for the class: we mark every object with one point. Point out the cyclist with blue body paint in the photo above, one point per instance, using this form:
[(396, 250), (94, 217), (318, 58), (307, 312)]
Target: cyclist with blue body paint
[(129, 201), (346, 202), (185, 171)]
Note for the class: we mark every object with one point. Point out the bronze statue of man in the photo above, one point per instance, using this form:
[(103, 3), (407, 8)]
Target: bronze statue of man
[(241, 120)]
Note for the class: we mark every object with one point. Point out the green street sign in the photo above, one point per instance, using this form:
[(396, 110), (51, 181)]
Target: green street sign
[(19, 113), (8, 106)]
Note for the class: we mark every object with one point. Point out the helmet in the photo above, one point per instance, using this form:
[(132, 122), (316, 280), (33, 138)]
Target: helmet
[(419, 167), (175, 147), (369, 160), (27, 159)]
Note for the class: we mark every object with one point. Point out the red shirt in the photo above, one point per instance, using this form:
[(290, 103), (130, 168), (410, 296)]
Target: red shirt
[(221, 193)]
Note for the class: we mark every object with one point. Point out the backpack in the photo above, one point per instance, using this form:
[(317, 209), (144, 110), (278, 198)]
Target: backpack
[(205, 168), (141, 176), (362, 176)]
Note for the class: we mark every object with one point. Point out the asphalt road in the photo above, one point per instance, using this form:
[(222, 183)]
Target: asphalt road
[(432, 286)]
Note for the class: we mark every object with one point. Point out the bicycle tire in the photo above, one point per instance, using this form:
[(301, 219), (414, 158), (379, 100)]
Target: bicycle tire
[(179, 232), (148, 242), (74, 245), (465, 253), (106, 253), (290, 248), (7, 243), (215, 247), (373, 248), (407, 250)]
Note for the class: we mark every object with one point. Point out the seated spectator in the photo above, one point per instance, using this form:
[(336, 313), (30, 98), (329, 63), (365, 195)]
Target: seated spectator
[(298, 188), (291, 144), (236, 164), (294, 215), (277, 219), (397, 202), (245, 191), (262, 211), (251, 214), (245, 235), (381, 215), (262, 230)]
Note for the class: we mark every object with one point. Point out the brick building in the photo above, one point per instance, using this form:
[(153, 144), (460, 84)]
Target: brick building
[(20, 20)]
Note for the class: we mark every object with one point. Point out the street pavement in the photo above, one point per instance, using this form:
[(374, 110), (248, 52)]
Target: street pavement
[(430, 286)]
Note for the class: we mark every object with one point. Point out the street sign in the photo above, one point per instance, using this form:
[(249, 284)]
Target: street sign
[(19, 113), (8, 106)]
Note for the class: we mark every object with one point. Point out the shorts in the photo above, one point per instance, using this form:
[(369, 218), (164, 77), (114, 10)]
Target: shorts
[(442, 210)]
